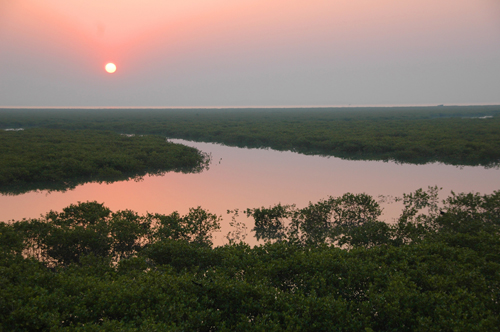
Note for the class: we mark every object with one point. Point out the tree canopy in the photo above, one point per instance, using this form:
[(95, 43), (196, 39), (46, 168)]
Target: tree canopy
[(458, 135), (57, 159), (330, 266)]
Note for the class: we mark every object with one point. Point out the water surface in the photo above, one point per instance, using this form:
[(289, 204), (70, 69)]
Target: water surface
[(247, 178)]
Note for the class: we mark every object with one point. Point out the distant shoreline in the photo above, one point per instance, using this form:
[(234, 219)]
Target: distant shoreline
[(417, 134), (257, 107)]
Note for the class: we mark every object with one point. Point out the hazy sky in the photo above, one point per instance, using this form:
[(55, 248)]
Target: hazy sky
[(249, 52)]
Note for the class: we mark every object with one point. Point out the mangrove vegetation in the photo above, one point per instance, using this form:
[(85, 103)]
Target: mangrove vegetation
[(457, 135), (330, 266), (57, 159)]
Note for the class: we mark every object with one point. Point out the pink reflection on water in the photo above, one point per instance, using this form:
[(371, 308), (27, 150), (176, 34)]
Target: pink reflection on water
[(247, 178)]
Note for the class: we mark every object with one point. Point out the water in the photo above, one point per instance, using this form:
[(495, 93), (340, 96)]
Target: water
[(248, 178)]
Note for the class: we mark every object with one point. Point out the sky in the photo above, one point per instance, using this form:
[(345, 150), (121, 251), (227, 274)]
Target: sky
[(216, 53)]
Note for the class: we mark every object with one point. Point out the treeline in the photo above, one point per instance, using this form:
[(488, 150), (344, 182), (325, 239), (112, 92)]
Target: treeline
[(331, 266), (465, 135), (57, 159)]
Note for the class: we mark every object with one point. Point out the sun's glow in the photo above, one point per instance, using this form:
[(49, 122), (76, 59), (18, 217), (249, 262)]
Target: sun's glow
[(110, 67)]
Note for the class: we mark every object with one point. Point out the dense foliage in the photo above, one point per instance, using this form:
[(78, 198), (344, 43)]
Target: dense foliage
[(87, 268), (58, 159), (450, 134)]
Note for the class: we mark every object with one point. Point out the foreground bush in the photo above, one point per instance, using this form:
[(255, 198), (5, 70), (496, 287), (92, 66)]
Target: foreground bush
[(437, 269)]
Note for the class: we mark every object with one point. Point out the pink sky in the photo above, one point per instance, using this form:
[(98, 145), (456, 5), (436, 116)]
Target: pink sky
[(249, 52)]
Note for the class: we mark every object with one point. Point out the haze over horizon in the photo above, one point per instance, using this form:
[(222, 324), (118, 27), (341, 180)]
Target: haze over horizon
[(249, 53)]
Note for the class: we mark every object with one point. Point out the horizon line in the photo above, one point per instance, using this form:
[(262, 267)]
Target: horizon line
[(255, 107)]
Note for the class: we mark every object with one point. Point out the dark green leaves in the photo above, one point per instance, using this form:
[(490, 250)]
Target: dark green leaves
[(61, 159), (90, 228), (101, 270), (327, 221), (454, 134)]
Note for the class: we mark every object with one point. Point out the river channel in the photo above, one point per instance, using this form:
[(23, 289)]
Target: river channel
[(247, 178)]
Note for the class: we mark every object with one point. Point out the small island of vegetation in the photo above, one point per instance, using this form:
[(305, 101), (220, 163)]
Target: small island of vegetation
[(57, 159)]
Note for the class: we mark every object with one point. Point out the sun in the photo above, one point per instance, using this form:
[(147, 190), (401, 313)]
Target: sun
[(110, 67)]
